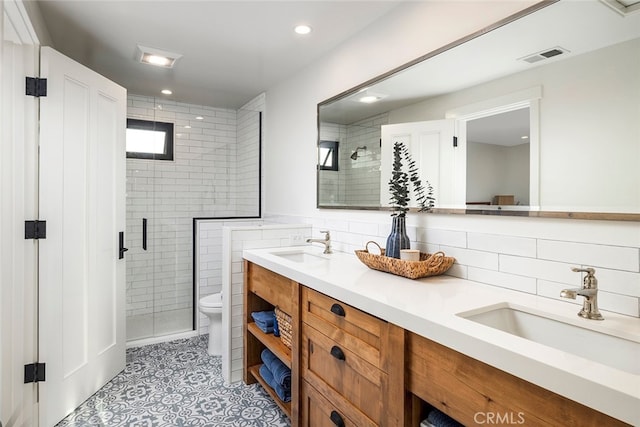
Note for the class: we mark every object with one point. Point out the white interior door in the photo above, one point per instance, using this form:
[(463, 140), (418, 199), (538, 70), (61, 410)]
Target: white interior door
[(82, 190), (438, 161)]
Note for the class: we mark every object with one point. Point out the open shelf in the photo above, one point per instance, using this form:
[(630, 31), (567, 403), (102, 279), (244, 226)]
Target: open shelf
[(285, 406), (273, 343)]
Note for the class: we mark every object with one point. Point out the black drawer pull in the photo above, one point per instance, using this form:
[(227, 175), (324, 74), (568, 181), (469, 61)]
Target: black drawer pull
[(337, 309), (336, 419), (337, 352)]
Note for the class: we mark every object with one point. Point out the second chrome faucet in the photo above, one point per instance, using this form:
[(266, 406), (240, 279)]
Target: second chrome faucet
[(326, 241), (589, 291)]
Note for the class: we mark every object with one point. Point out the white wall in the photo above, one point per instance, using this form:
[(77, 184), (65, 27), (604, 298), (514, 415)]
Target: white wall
[(497, 169), (410, 31), (573, 125), (532, 255)]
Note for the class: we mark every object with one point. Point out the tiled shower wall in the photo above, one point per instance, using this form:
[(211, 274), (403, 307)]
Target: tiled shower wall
[(202, 181), (246, 193), (524, 254), (362, 174)]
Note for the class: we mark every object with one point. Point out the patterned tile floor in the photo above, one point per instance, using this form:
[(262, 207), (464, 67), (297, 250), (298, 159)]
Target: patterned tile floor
[(176, 384)]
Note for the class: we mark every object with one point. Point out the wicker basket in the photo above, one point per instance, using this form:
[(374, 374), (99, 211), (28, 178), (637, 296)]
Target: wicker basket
[(429, 264), (284, 325)]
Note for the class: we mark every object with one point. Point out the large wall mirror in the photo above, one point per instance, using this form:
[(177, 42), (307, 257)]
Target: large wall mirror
[(538, 117)]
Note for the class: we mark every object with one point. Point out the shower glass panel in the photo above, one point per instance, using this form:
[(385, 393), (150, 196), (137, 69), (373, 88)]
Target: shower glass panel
[(213, 172), (159, 261)]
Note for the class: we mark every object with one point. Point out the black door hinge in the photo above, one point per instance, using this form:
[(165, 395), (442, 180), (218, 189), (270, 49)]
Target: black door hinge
[(34, 373), (36, 86), (35, 229), (455, 141)]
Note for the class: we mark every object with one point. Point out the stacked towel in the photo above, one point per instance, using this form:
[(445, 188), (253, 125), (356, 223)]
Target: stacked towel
[(438, 418), (264, 320), (276, 375)]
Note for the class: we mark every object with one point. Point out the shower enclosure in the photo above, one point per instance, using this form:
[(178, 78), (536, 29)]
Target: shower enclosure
[(208, 169)]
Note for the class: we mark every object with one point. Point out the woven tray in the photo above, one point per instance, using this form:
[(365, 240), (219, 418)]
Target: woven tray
[(284, 325), (429, 264)]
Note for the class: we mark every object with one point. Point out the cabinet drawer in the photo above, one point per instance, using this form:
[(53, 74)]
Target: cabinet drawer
[(318, 411), (357, 331), (270, 286), (461, 387), (328, 362)]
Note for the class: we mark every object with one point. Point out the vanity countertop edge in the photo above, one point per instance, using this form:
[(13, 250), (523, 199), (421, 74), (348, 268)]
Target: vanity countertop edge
[(429, 307)]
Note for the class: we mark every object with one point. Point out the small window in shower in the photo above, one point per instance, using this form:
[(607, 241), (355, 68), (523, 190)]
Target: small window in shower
[(328, 155), (149, 140)]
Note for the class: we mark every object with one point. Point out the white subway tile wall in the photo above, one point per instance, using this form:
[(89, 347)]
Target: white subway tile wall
[(214, 164), (236, 238), (362, 174), (514, 253), (247, 179)]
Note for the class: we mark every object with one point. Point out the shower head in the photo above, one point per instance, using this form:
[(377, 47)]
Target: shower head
[(354, 156)]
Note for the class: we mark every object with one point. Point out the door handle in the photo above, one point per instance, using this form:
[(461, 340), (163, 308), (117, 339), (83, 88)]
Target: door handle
[(144, 234), (122, 249)]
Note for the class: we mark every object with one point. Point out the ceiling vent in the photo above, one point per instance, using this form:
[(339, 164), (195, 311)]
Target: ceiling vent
[(157, 57), (545, 54)]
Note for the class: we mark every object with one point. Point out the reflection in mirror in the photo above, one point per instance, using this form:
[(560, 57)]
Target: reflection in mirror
[(498, 159), (578, 83)]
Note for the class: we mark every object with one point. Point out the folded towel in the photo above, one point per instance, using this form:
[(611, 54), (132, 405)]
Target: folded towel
[(264, 328), (276, 328), (264, 317), (283, 394), (281, 374), (440, 419), (265, 320)]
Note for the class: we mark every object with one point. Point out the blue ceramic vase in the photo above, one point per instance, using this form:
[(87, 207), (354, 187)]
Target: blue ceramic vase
[(398, 238)]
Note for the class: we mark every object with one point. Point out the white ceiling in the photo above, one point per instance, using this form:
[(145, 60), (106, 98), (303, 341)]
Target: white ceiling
[(232, 50)]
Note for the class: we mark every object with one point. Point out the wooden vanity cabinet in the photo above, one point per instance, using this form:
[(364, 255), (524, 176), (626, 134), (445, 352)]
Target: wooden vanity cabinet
[(352, 364), (347, 367), (475, 393), (351, 369), (265, 290)]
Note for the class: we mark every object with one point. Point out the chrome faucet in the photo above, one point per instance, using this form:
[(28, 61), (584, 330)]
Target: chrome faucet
[(326, 241), (589, 291)]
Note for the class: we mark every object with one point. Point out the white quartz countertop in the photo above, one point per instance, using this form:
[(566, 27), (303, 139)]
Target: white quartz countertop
[(429, 307)]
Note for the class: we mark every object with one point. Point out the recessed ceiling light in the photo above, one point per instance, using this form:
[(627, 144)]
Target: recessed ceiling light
[(157, 57), (302, 29), (199, 118), (166, 91), (369, 99)]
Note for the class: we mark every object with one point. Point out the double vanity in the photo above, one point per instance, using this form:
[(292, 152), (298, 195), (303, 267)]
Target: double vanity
[(370, 348)]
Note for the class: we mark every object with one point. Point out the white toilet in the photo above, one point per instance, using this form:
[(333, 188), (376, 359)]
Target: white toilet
[(211, 306)]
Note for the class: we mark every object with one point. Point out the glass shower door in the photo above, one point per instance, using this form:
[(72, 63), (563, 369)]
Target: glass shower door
[(159, 266)]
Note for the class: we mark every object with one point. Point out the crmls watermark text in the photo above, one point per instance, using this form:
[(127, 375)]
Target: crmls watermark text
[(499, 418)]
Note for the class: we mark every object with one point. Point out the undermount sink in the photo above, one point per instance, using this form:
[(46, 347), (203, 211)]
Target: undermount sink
[(591, 344), (303, 255)]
